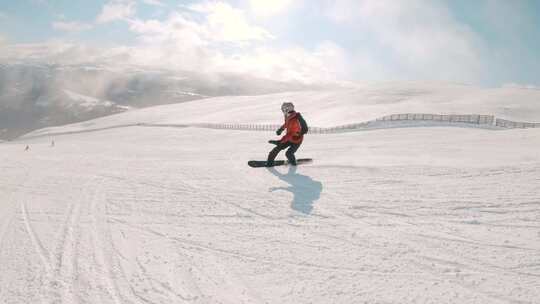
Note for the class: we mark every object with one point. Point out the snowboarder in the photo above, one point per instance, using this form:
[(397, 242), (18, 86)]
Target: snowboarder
[(296, 128)]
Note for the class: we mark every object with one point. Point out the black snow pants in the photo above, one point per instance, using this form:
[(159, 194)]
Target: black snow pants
[(290, 153)]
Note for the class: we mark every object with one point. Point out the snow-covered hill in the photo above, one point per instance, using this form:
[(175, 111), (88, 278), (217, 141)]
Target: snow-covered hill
[(36, 95), (338, 107), (142, 214)]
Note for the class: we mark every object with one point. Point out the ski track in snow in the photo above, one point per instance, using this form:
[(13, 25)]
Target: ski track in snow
[(162, 216), (8, 206)]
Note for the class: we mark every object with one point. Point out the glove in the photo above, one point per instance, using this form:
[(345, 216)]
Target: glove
[(278, 131), (274, 142)]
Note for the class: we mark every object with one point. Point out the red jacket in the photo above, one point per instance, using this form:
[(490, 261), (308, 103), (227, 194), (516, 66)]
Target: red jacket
[(292, 124)]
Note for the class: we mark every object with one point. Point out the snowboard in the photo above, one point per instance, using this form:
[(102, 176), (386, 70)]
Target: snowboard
[(262, 163)]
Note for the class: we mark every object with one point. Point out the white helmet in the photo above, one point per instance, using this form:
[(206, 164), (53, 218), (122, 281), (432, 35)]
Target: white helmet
[(287, 107)]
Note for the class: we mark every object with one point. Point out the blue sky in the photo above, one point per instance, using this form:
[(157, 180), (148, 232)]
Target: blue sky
[(484, 42)]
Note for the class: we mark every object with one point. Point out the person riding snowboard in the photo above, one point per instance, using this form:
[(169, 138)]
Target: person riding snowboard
[(296, 128)]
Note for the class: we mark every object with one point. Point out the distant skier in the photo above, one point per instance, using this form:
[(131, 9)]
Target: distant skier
[(52, 143), (296, 127), (27, 148)]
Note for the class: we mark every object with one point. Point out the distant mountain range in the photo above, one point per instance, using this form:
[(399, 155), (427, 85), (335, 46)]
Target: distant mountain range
[(34, 96)]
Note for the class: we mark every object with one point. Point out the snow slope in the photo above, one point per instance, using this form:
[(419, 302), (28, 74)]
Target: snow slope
[(174, 215), (331, 108)]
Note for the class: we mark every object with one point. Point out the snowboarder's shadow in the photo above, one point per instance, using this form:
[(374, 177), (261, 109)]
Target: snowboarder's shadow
[(305, 190)]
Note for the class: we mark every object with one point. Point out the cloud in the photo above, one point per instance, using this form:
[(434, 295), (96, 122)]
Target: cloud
[(208, 37), (153, 2), (176, 42), (116, 10), (226, 23), (61, 52), (214, 37), (71, 26), (268, 8), (3, 16), (326, 63), (213, 22), (419, 38)]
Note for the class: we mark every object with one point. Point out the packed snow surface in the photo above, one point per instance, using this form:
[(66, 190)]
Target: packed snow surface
[(145, 214)]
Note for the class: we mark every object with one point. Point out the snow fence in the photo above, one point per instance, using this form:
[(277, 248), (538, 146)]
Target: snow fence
[(467, 118), (388, 121), (509, 124), (393, 120)]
